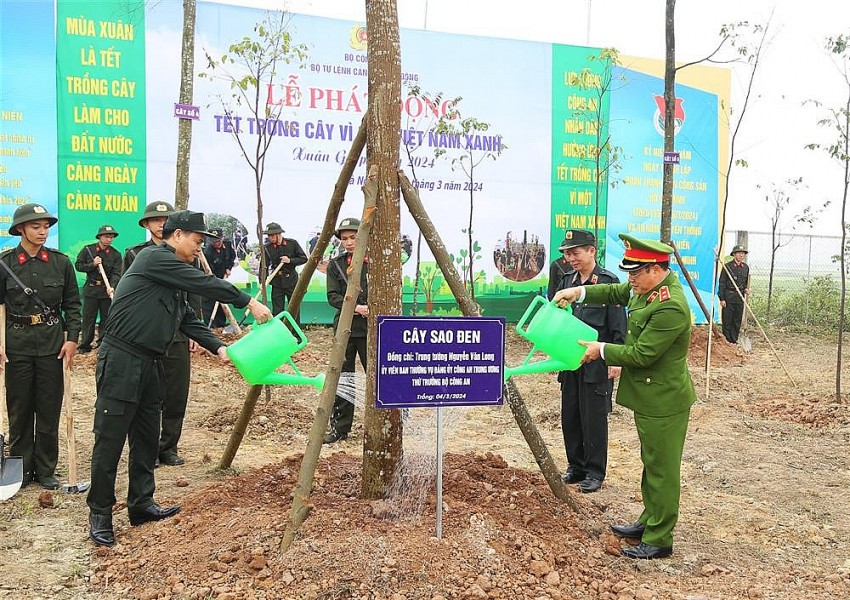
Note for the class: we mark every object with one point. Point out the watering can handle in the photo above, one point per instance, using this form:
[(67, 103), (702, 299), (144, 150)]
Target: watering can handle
[(302, 339), (530, 310)]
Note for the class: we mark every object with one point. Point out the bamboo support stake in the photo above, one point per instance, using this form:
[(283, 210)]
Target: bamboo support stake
[(224, 307)]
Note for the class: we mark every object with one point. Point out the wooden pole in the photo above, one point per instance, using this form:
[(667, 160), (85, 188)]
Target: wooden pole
[(224, 307), (240, 426), (109, 289)]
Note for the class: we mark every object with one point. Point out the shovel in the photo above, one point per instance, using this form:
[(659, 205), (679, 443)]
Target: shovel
[(73, 486), (744, 337), (11, 467)]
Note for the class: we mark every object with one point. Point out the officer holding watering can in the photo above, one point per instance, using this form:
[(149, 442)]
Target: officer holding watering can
[(586, 392), (148, 309), (655, 381)]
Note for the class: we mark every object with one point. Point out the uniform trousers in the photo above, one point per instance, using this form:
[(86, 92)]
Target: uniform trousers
[(662, 441), (92, 306), (732, 315), (177, 365), (342, 416), (130, 391), (280, 300), (584, 422), (34, 390)]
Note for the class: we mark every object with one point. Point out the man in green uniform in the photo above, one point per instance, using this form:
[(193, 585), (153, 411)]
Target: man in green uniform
[(342, 416), (148, 309), (289, 252), (96, 297), (655, 381), (39, 288), (732, 290), (177, 362)]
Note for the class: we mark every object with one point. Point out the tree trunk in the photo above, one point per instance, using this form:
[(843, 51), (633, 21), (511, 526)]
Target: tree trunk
[(382, 429), (843, 299), (184, 126), (669, 121)]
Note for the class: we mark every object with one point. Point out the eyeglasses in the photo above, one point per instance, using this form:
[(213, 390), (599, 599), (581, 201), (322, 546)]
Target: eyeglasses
[(636, 272)]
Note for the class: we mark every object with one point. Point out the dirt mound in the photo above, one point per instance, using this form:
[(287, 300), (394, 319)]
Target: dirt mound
[(804, 409), (722, 352)]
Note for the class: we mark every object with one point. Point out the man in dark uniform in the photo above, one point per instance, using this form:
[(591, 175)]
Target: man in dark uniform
[(655, 382), (731, 302), (148, 309), (221, 257), (177, 363), (39, 288), (289, 252), (586, 392), (96, 299), (557, 270), (342, 416)]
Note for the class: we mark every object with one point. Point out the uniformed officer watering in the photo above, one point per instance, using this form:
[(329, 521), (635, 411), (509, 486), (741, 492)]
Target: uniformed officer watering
[(96, 299), (148, 309), (39, 289), (655, 382)]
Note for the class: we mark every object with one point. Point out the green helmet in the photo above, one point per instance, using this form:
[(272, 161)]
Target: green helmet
[(106, 230), (30, 212), (347, 224), (156, 209)]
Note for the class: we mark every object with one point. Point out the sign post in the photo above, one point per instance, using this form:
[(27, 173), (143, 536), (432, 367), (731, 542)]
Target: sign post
[(437, 362)]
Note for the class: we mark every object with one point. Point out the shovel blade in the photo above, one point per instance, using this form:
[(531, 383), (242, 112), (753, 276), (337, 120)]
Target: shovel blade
[(746, 343), (11, 476)]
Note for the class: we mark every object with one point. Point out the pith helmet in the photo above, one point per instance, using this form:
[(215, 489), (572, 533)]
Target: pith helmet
[(273, 228), (106, 229), (156, 209), (347, 224), (30, 212), (217, 233), (573, 238), (186, 220), (739, 248), (640, 253)]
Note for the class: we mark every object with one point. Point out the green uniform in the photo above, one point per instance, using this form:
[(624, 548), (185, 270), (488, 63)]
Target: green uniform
[(34, 378), (148, 310), (655, 383), (95, 298)]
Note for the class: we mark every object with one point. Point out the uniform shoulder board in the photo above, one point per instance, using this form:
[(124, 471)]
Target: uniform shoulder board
[(609, 274), (664, 293), (6, 252), (54, 251), (652, 297)]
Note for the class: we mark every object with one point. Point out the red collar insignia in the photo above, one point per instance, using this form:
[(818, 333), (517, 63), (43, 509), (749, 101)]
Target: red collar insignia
[(42, 255), (664, 293), (22, 258), (594, 278), (652, 297)]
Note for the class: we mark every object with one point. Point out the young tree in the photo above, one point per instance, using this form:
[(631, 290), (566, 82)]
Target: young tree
[(184, 126), (250, 68), (837, 120)]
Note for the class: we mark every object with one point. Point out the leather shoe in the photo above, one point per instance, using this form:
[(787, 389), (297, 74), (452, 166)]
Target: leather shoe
[(172, 460), (48, 482), (590, 484), (333, 437), (100, 529), (635, 530), (573, 476), (152, 512), (647, 551)]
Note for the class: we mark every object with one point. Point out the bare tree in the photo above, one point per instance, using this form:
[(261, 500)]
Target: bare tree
[(837, 120), (184, 126)]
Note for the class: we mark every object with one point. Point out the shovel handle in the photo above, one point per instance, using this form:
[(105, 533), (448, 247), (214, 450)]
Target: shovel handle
[(2, 371), (109, 289)]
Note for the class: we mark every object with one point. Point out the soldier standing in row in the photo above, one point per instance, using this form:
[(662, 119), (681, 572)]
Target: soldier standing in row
[(39, 288), (220, 257), (289, 252), (96, 298), (148, 309)]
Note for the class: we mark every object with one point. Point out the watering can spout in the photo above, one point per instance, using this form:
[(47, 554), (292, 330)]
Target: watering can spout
[(549, 365), (275, 378)]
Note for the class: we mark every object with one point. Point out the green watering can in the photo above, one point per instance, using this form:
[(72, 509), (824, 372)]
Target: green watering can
[(266, 347), (554, 331)]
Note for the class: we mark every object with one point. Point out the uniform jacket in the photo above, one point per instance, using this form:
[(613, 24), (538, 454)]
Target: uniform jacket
[(726, 289), (337, 282), (557, 270), (655, 380), (51, 275), (287, 277), (150, 307), (609, 320), (93, 286), (221, 259)]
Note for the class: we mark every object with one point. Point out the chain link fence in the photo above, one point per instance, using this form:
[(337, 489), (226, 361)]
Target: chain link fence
[(804, 288)]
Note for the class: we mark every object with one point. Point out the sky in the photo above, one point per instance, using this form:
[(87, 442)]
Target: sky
[(777, 125)]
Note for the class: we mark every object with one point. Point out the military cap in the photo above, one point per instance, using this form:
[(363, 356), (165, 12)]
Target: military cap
[(273, 228), (573, 238), (186, 220), (347, 224), (640, 253), (30, 212), (217, 233), (106, 229), (156, 209), (739, 248)]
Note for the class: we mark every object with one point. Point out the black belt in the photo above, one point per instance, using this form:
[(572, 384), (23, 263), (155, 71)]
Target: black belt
[(30, 320), (132, 348)]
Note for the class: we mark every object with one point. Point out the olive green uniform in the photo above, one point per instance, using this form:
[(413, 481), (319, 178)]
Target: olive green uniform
[(177, 365), (95, 298), (148, 310), (655, 383), (34, 378)]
